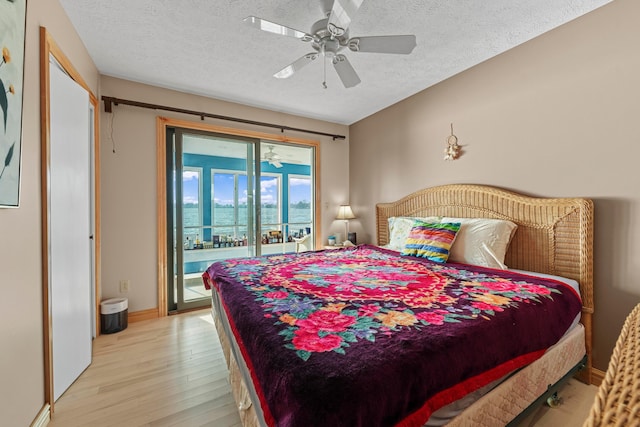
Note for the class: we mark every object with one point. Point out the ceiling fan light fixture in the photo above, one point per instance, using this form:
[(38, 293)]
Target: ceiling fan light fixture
[(329, 36), (271, 157)]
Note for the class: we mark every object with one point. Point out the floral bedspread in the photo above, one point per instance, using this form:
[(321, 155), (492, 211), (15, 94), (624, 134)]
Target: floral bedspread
[(366, 337)]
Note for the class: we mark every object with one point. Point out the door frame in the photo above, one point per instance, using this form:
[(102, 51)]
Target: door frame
[(48, 47), (162, 123)]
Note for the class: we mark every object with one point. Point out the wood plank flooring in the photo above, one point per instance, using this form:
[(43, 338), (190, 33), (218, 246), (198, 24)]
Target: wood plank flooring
[(171, 372), (161, 372)]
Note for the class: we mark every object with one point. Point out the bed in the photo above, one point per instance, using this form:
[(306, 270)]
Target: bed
[(553, 236)]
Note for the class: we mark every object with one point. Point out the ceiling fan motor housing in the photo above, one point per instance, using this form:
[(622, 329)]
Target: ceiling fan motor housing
[(322, 36)]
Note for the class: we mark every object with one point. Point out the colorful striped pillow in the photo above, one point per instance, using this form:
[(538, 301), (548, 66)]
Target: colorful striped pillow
[(400, 227), (431, 240)]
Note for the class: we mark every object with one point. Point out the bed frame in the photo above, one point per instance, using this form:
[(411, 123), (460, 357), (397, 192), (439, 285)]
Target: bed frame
[(554, 236)]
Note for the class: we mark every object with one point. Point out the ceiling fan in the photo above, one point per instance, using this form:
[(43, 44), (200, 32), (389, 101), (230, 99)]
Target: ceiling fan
[(272, 157), (329, 36)]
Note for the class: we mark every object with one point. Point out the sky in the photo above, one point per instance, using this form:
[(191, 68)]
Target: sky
[(223, 186)]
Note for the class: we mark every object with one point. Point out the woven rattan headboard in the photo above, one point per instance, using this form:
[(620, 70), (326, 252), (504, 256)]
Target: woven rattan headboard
[(554, 236)]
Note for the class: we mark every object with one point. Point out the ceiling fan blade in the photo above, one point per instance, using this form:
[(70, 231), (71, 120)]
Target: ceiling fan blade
[(341, 15), (276, 163), (383, 44), (290, 69), (345, 71), (272, 27)]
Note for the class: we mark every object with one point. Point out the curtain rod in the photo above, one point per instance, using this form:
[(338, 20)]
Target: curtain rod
[(108, 100)]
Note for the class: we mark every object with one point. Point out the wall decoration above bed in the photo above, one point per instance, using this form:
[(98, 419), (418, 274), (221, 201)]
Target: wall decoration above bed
[(12, 29), (453, 150)]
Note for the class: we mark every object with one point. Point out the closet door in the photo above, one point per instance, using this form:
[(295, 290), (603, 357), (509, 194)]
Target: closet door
[(69, 230)]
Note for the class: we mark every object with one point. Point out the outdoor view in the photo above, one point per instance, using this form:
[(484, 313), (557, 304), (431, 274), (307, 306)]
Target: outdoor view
[(219, 204), (229, 191)]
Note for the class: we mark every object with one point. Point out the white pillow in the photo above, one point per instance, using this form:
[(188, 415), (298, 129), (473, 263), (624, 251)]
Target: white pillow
[(481, 241), (399, 228)]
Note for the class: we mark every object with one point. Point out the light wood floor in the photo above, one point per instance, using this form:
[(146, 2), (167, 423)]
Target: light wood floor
[(164, 372), (576, 399), (171, 372)]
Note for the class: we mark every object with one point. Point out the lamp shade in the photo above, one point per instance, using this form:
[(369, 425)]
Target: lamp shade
[(345, 212)]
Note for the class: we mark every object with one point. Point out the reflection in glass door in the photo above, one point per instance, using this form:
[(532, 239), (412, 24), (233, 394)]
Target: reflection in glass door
[(234, 201), (204, 224)]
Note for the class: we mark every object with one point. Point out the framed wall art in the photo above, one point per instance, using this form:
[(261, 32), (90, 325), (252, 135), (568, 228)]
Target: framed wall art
[(12, 33)]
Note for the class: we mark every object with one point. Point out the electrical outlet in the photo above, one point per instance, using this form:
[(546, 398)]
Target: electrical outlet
[(124, 286)]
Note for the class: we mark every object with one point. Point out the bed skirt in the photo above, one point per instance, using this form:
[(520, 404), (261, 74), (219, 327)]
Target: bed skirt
[(513, 396)]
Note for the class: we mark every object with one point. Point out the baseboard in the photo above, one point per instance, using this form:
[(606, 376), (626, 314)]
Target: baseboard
[(138, 316), (597, 376), (43, 417)]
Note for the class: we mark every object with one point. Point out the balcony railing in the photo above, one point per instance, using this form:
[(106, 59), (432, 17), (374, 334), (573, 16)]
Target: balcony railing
[(235, 235)]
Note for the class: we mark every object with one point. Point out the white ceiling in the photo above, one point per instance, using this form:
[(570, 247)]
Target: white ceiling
[(287, 153), (203, 47)]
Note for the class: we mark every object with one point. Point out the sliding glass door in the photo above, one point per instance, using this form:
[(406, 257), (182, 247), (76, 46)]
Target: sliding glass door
[(232, 197)]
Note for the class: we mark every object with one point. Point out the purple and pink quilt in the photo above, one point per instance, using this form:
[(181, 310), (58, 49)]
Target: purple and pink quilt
[(363, 336)]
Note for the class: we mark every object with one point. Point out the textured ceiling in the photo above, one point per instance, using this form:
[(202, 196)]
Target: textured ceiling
[(203, 47)]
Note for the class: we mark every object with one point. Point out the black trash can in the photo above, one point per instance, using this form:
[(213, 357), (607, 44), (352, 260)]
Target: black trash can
[(113, 315)]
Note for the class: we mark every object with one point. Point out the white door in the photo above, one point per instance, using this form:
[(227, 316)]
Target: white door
[(69, 230)]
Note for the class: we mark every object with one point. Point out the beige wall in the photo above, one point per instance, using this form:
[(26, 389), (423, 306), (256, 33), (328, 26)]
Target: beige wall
[(557, 116), (129, 178), (21, 356)]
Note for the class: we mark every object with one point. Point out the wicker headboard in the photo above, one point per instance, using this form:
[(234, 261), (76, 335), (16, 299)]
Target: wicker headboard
[(554, 235)]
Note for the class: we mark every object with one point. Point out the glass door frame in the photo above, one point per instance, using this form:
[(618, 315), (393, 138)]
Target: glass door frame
[(164, 129), (175, 146)]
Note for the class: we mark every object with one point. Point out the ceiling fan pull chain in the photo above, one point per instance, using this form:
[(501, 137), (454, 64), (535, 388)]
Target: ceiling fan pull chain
[(324, 80), (324, 68)]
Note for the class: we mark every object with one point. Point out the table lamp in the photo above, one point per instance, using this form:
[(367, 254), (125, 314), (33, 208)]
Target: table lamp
[(345, 213)]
